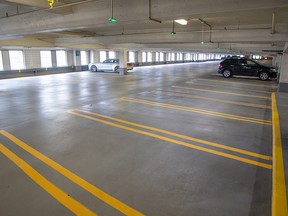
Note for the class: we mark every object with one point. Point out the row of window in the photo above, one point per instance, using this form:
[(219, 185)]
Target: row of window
[(159, 56), (17, 62), (17, 59)]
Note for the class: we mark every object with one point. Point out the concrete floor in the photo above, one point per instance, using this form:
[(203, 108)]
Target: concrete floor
[(150, 171)]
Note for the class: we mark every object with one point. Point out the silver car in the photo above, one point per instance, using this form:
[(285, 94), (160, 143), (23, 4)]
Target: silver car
[(107, 65)]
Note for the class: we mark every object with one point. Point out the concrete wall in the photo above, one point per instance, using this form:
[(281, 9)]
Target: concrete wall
[(283, 81)]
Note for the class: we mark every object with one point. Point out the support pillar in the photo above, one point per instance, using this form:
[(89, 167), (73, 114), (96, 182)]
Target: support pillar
[(139, 56), (96, 55), (53, 58), (153, 57), (283, 81), (32, 58), (6, 60), (77, 60), (123, 62)]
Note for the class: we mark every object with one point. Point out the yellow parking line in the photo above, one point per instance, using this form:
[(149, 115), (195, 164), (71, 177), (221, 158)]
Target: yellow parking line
[(215, 152), (229, 87), (74, 178), (218, 100), (279, 199), (242, 83), (252, 154), (66, 200), (221, 92), (205, 112)]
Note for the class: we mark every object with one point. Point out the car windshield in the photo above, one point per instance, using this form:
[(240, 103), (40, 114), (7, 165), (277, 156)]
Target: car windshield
[(111, 61)]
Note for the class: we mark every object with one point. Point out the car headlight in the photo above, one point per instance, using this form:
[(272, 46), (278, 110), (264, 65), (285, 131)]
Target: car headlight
[(273, 70)]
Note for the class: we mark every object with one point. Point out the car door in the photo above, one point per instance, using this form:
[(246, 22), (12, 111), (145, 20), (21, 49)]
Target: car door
[(249, 68), (105, 64), (237, 66)]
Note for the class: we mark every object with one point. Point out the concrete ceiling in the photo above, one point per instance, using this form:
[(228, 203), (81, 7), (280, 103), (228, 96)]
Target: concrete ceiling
[(225, 25)]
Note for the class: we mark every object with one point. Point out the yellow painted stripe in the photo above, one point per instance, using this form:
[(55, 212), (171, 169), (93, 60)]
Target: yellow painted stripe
[(221, 92), (66, 200), (279, 199), (215, 152), (241, 83), (229, 87), (218, 100), (74, 178), (205, 112), (252, 154)]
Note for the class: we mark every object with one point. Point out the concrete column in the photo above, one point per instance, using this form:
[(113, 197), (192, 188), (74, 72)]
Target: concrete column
[(54, 58), (136, 57), (165, 57), (96, 55), (32, 58), (77, 59), (6, 60), (153, 57), (276, 61), (70, 58), (283, 81), (139, 57), (123, 62)]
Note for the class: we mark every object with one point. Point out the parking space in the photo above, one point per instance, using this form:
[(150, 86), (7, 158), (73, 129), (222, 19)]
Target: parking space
[(164, 140)]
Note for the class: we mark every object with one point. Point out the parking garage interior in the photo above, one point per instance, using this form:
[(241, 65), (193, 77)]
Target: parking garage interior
[(170, 137)]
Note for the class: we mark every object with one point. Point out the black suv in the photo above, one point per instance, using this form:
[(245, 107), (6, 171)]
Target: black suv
[(245, 67)]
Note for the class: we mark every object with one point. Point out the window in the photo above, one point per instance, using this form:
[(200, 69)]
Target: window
[(144, 57), (201, 57), (172, 56), (157, 56), (179, 57), (168, 56), (84, 59), (61, 58), (1, 62), (131, 56), (102, 56), (16, 59), (112, 54), (187, 56), (46, 60), (161, 55), (149, 57), (252, 63)]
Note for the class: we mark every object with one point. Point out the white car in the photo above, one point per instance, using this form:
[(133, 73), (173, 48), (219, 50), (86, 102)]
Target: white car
[(107, 65)]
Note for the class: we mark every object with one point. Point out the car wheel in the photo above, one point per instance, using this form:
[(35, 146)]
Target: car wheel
[(227, 73), (264, 76), (116, 69), (93, 68)]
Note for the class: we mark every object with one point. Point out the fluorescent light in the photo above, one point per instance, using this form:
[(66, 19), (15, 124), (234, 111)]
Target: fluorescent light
[(182, 21)]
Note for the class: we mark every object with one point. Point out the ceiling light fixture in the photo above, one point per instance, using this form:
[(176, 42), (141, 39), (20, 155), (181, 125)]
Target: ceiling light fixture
[(51, 3), (112, 19), (173, 32), (181, 21)]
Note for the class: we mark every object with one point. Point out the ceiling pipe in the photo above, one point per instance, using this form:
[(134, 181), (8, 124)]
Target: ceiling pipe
[(273, 24), (150, 18), (210, 35)]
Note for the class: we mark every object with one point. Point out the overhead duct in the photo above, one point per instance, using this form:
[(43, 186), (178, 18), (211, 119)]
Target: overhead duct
[(204, 22), (150, 17), (273, 24)]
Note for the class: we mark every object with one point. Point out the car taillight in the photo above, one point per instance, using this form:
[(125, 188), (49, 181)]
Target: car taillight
[(220, 65)]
